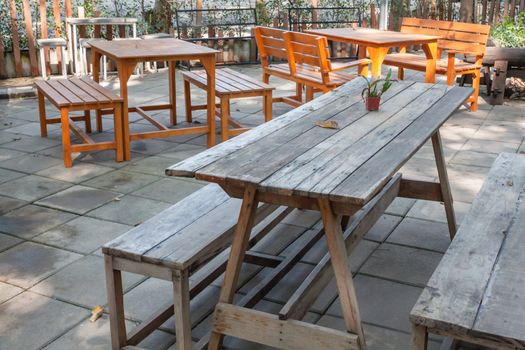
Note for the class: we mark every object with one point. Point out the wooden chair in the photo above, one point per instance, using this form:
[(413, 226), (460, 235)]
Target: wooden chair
[(309, 63), (270, 43), (83, 94), (456, 38)]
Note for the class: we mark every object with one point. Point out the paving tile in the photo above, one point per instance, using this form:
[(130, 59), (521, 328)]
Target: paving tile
[(279, 240), (83, 234), (7, 291), (8, 175), (150, 147), (402, 264), (30, 163), (30, 321), (303, 218), (435, 211), (28, 263), (107, 158), (7, 204), (400, 206), (129, 210), (465, 191), (170, 190), (78, 173), (32, 129), (6, 154), (7, 241), (421, 234), (30, 188), (6, 137), (490, 146), (383, 303), (96, 336), (150, 165), (474, 158), (377, 338), (83, 282), (122, 181), (182, 151), (383, 227), (78, 199), (31, 143), (6, 123), (31, 220)]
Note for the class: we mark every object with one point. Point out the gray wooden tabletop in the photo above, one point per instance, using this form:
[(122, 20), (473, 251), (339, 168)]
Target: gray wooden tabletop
[(293, 156)]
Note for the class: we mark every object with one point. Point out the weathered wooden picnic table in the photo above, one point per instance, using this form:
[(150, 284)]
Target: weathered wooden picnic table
[(345, 172), (378, 42), (127, 53)]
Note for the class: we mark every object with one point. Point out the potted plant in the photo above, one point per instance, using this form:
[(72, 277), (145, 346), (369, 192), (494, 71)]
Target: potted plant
[(372, 93)]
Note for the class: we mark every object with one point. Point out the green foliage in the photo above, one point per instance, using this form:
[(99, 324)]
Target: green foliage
[(373, 89), (510, 33)]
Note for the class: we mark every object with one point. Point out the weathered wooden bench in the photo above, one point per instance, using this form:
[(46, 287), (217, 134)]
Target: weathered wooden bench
[(188, 239), (228, 85), (477, 292), (457, 38), (83, 94)]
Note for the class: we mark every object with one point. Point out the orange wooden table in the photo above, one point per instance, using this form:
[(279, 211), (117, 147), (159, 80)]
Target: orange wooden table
[(128, 53), (378, 42)]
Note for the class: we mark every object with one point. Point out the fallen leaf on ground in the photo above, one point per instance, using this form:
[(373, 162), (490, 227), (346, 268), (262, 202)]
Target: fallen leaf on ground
[(96, 312)]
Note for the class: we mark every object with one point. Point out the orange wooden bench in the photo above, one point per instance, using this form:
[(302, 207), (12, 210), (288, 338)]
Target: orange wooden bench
[(456, 38), (228, 85), (75, 94)]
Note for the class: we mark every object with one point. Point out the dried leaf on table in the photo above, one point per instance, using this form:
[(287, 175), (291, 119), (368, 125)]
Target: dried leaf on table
[(328, 124)]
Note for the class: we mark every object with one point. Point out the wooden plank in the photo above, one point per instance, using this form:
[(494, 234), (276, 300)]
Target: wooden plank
[(235, 321), (74, 89), (3, 72), (189, 166), (134, 243), (319, 156), (71, 97), (15, 38), (54, 96), (30, 37), (452, 298), (44, 33), (380, 167), (58, 26)]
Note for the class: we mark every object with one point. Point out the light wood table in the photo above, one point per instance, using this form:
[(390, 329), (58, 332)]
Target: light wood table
[(127, 53), (378, 42), (348, 174)]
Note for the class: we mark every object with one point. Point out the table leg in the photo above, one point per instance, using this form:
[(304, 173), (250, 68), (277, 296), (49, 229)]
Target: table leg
[(173, 92), (361, 54), (95, 55), (419, 338), (430, 50), (209, 66), (239, 245), (124, 72), (342, 272), (445, 185), (377, 55)]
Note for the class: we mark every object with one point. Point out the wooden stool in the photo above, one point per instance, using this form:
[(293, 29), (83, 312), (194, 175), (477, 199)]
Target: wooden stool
[(228, 85), (79, 95)]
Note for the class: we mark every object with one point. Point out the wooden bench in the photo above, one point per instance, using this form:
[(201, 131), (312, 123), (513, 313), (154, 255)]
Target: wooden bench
[(188, 239), (457, 38), (228, 85), (83, 94), (477, 292)]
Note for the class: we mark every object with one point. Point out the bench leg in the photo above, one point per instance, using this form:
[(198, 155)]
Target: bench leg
[(225, 117), (116, 305), (400, 73), (43, 62), (476, 79), (238, 249), (268, 106), (187, 101), (309, 94), (419, 337), (63, 62), (342, 272), (119, 139), (66, 140), (87, 121), (299, 92), (100, 127), (173, 93), (443, 181), (181, 305), (42, 114)]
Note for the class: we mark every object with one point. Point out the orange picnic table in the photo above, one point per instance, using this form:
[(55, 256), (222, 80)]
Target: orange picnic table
[(128, 53), (379, 42)]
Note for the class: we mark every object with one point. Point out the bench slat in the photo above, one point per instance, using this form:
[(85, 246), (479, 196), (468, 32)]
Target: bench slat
[(141, 239), (52, 95), (74, 89), (71, 97), (451, 301)]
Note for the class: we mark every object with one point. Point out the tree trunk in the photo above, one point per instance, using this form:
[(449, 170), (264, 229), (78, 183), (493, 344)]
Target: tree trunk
[(466, 11)]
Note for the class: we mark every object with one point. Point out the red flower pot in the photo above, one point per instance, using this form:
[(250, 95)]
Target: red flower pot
[(372, 103)]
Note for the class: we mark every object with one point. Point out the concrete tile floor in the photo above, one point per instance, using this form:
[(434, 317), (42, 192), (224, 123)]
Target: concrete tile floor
[(51, 271)]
